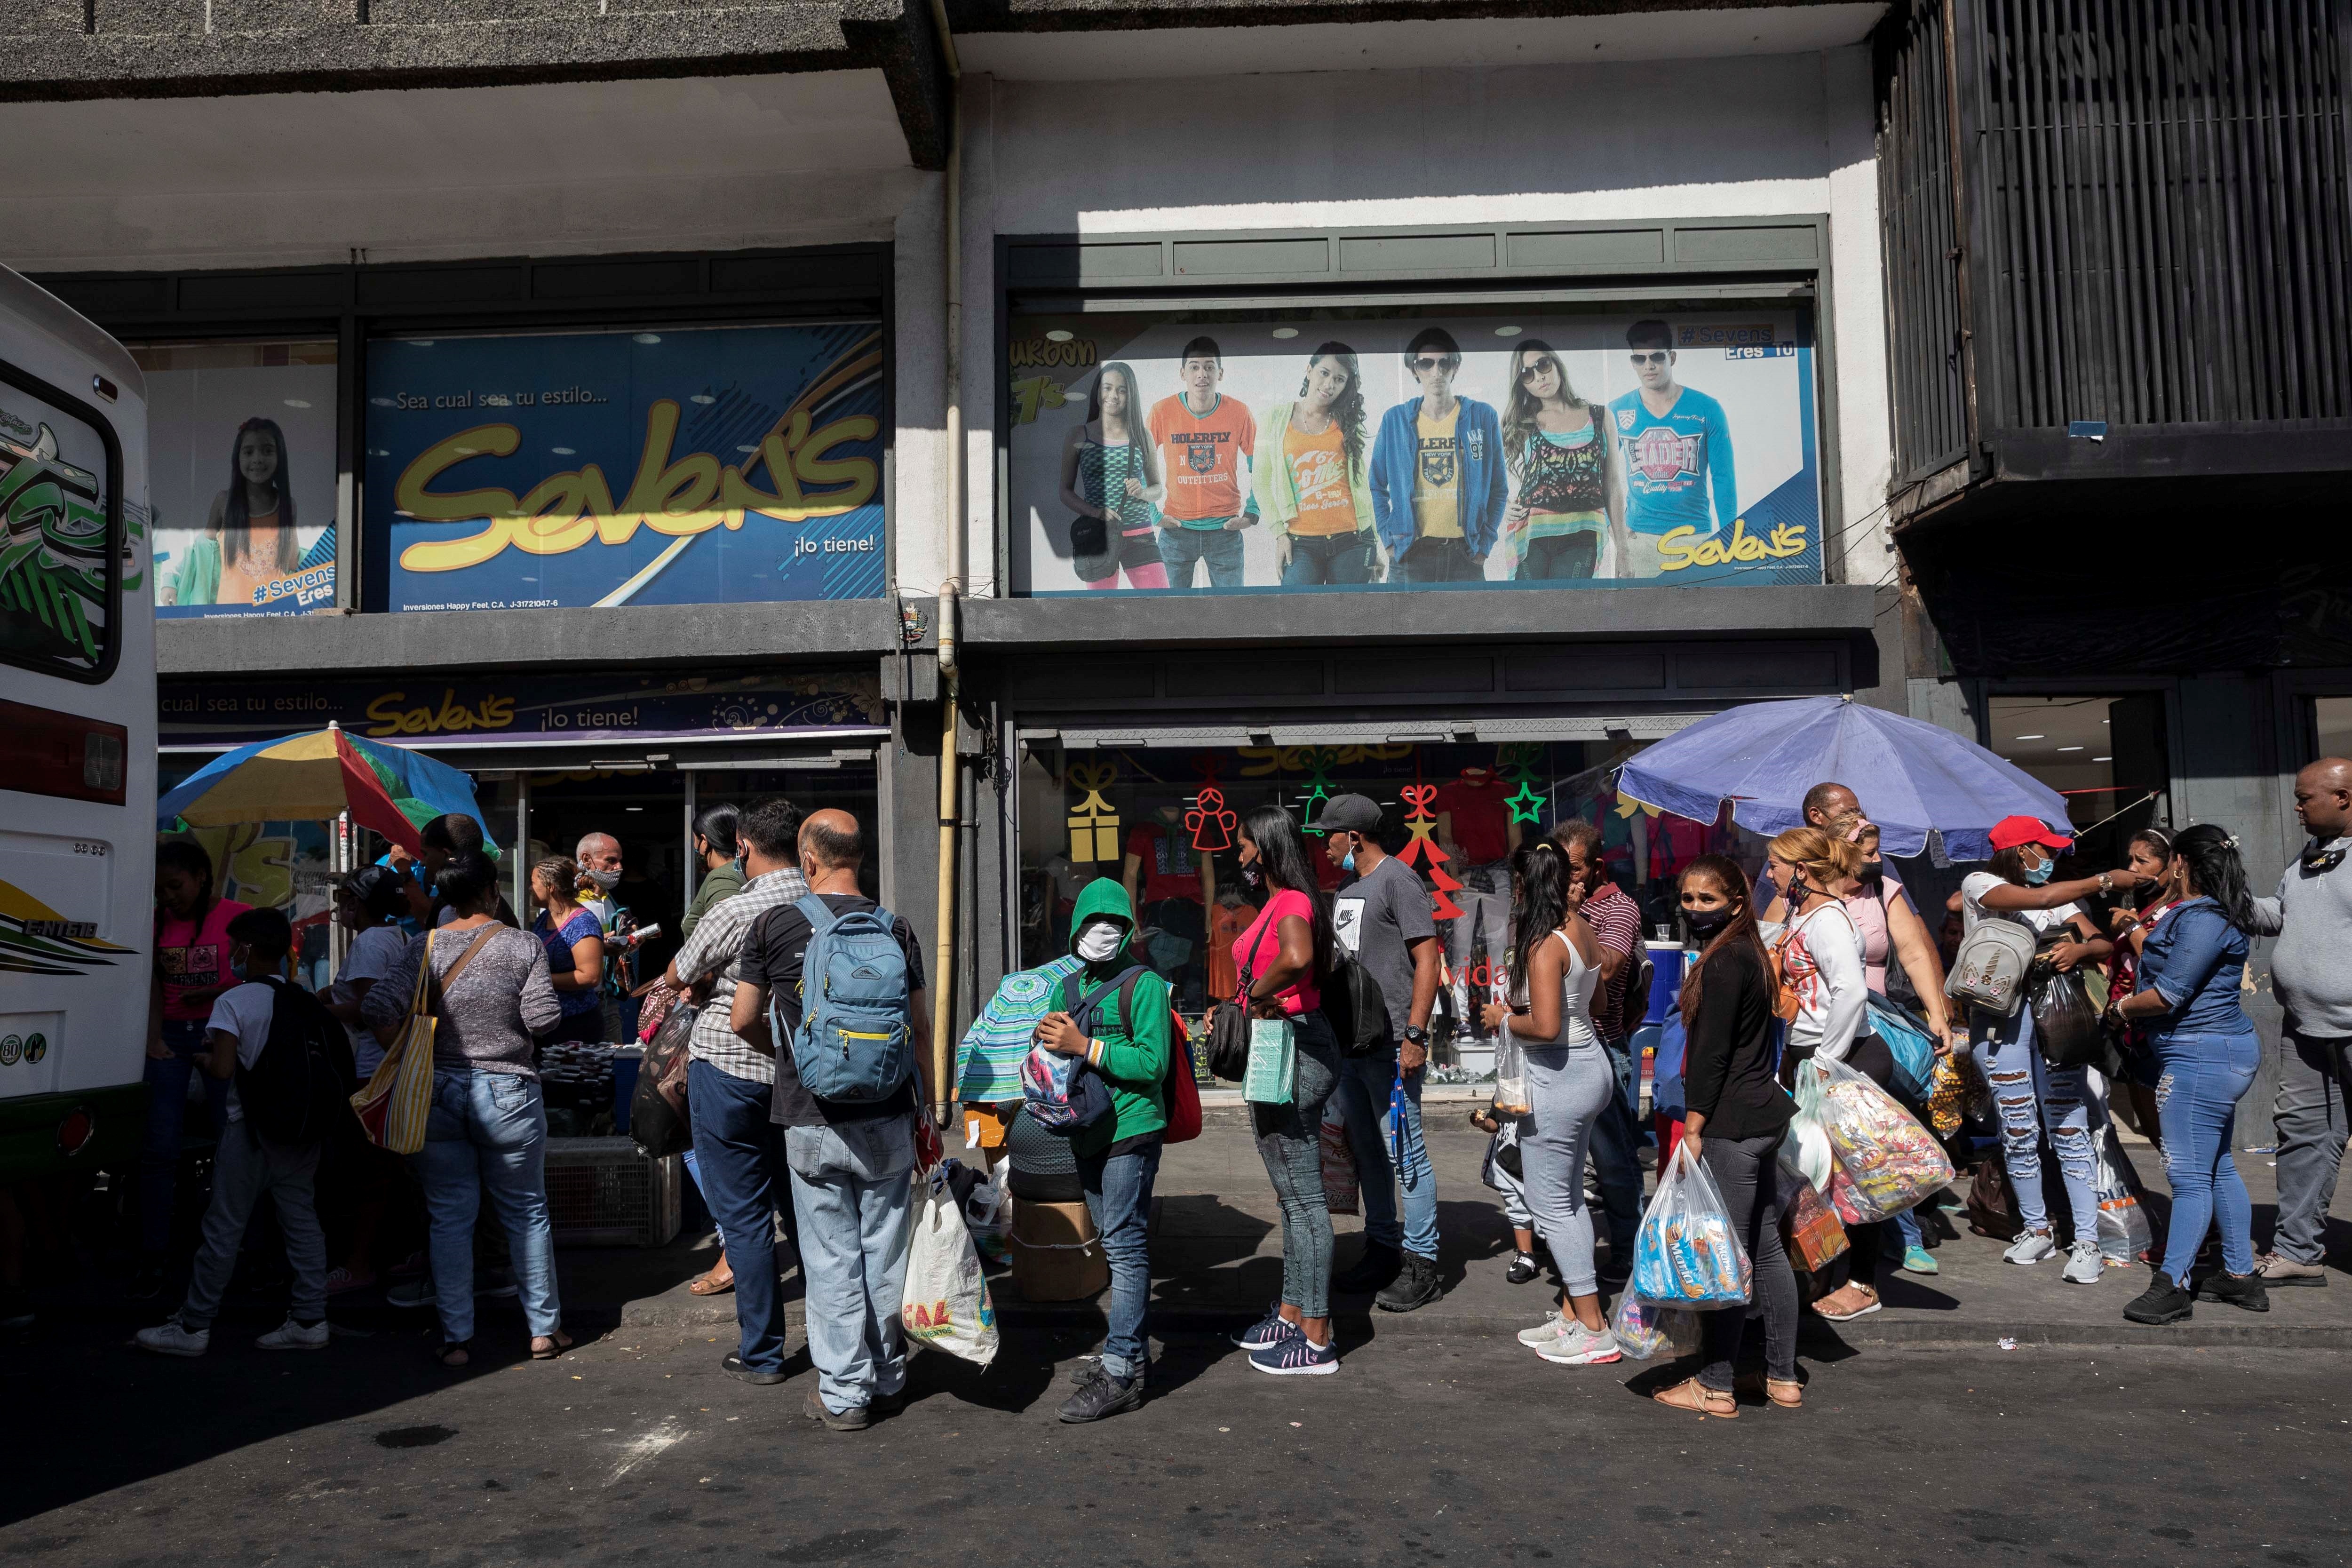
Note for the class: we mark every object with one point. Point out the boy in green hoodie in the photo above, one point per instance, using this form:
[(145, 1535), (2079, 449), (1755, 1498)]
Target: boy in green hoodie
[(1118, 1021)]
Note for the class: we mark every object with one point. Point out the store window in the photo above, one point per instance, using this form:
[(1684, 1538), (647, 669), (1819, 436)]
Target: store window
[(241, 475), (664, 466), (1341, 446), (1163, 820), (2331, 719), (2106, 754)]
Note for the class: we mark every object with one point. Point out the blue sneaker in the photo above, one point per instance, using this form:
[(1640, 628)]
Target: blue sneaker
[(1920, 1260), (1295, 1355), (1267, 1331)]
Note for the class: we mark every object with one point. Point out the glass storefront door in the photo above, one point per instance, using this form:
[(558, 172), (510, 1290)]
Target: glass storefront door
[(2106, 754)]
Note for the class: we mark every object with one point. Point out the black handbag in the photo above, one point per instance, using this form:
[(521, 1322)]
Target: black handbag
[(1089, 536), (1229, 1022), (1352, 1004)]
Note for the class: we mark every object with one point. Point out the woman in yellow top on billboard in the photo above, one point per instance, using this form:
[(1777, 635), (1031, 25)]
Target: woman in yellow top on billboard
[(1310, 477), (249, 541), (1567, 473)]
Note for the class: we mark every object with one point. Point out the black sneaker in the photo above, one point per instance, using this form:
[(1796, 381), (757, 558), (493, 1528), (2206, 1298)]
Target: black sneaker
[(855, 1420), (1378, 1264), (2162, 1302), (1102, 1394), (1417, 1286), (1522, 1270), (733, 1367), (2246, 1291)]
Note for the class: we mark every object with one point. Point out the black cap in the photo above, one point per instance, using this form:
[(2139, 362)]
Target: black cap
[(1347, 814)]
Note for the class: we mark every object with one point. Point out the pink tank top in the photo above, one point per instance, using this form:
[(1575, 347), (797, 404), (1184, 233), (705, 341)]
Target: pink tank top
[(1869, 918)]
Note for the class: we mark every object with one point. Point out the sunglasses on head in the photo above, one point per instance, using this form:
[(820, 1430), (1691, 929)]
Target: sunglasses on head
[(1655, 356)]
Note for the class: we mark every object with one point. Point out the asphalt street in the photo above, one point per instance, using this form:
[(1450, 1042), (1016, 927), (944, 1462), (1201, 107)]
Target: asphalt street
[(1422, 1449)]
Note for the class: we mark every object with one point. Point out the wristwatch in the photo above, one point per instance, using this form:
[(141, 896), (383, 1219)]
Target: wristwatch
[(1416, 1034)]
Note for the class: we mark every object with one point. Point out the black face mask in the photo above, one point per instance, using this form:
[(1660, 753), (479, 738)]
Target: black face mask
[(1252, 873), (1872, 874), (1706, 922)]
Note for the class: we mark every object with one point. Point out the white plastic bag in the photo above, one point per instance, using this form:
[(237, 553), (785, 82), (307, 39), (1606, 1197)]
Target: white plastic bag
[(945, 1304), (988, 1209), (1644, 1328), (2123, 1230), (1806, 1150), (1686, 1254), (1891, 1163)]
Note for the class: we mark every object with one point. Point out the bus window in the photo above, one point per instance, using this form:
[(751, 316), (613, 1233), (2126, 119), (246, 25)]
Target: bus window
[(60, 533)]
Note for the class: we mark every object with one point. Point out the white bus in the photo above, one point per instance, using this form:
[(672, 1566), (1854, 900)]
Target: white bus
[(77, 741)]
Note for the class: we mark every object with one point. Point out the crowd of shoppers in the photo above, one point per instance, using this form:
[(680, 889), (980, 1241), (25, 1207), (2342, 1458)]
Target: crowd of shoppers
[(1789, 971)]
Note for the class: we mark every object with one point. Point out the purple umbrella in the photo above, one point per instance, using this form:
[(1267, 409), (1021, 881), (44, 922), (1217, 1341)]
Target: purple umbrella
[(1913, 778)]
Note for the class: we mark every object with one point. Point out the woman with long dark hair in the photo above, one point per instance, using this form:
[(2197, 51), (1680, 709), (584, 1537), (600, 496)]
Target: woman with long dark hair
[(1569, 474), (249, 539), (1285, 957), (2029, 1095), (2190, 969), (1738, 1114), (1111, 479), (1555, 966), (1312, 490)]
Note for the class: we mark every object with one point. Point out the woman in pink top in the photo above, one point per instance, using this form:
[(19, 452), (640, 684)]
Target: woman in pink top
[(192, 972), (1283, 960)]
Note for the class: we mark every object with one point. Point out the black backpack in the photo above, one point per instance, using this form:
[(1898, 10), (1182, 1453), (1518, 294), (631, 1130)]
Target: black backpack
[(300, 1088), (1352, 1004)]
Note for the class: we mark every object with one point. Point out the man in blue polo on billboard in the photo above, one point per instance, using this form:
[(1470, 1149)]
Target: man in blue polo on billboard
[(1438, 484), (1677, 448)]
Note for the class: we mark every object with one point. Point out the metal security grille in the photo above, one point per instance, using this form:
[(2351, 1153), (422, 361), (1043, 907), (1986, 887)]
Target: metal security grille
[(1922, 278), (2129, 213), (2164, 193)]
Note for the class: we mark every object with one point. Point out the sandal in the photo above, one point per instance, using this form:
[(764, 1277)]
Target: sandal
[(710, 1284), (1868, 1307), (1787, 1393), (1699, 1399), (547, 1347), (455, 1353)]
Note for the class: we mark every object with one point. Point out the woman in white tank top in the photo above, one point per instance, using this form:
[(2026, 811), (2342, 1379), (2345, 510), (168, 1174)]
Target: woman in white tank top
[(1557, 965)]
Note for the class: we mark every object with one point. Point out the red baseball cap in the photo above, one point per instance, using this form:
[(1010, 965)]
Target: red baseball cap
[(2011, 831)]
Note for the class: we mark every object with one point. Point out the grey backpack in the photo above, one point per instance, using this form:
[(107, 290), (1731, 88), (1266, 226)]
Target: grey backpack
[(1989, 971)]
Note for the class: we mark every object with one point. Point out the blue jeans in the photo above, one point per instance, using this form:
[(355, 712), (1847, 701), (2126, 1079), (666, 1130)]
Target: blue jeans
[(1119, 1197), (2031, 1098), (243, 1170), (167, 1116), (1336, 558), (1616, 1142), (852, 1196), (1439, 561), (740, 1154), (2197, 1098), (1364, 1086), (487, 1133), (1219, 548)]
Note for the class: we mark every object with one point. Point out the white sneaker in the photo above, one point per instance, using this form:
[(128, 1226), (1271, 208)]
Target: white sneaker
[(1543, 1333), (2031, 1249), (168, 1338), (1580, 1346), (2084, 1264), (290, 1335)]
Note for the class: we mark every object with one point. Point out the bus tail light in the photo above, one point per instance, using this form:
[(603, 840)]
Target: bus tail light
[(64, 755), (75, 1131)]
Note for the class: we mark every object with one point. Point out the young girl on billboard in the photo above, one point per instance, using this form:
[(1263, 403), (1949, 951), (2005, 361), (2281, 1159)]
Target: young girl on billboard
[(1110, 478), (1570, 481)]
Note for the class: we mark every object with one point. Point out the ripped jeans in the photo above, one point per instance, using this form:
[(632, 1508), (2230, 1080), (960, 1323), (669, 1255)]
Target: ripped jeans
[(2031, 1098)]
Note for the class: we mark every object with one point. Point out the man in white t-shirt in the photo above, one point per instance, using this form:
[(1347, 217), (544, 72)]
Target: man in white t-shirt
[(244, 1166)]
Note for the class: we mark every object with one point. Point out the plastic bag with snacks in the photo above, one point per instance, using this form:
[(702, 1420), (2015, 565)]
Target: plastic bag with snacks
[(1510, 1078), (1645, 1328), (1685, 1253), (1890, 1162), (1948, 1094)]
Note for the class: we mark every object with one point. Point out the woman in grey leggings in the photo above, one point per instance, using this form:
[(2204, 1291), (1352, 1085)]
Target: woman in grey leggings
[(1555, 966), (1285, 957)]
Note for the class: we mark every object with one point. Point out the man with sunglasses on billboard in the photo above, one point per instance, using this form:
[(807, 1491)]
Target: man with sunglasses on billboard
[(1438, 485), (1677, 448)]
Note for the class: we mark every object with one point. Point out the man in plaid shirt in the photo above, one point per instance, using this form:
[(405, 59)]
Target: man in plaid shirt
[(1616, 922), (739, 1152)]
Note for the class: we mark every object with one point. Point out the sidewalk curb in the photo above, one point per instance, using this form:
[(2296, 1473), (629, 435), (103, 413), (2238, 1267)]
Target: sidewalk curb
[(1814, 1333)]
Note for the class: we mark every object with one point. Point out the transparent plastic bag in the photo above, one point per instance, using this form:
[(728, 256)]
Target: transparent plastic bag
[(1806, 1150), (1510, 1078), (1889, 1162), (1685, 1253), (2124, 1231), (1644, 1328)]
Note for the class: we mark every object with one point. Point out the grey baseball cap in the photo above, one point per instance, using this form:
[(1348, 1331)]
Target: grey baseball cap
[(1347, 814)]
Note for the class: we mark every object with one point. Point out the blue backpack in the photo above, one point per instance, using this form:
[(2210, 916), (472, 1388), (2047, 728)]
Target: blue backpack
[(853, 1044)]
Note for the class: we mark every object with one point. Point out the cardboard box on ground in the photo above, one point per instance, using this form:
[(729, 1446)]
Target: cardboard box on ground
[(1056, 1257)]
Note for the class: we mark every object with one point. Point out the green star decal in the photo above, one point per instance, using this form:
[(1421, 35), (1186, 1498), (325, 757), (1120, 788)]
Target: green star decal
[(1524, 803)]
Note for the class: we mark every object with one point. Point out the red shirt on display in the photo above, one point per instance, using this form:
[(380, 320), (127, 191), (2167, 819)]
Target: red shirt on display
[(1171, 867), (1481, 819)]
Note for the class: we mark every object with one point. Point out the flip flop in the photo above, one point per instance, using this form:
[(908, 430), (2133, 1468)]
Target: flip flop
[(1693, 1396), (711, 1285), (557, 1343)]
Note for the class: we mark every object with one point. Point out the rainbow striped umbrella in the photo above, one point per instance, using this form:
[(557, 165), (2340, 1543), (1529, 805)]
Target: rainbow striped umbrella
[(317, 776)]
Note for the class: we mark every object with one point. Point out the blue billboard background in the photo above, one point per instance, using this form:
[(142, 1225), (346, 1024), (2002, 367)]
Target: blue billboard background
[(665, 467)]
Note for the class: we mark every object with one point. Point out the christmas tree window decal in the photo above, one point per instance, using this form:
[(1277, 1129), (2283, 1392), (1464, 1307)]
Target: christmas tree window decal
[(1422, 853), (1094, 821)]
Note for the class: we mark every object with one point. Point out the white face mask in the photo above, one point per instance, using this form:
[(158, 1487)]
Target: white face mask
[(608, 881), (1100, 941)]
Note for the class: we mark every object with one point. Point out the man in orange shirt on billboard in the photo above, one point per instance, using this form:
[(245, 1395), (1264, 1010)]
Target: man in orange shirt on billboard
[(1207, 442)]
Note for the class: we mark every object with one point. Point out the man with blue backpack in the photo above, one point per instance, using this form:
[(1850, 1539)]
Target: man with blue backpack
[(1111, 1017), (833, 985)]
